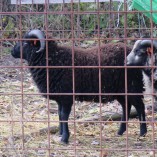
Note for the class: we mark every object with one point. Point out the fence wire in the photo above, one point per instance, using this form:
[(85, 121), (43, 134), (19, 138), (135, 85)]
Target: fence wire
[(29, 122)]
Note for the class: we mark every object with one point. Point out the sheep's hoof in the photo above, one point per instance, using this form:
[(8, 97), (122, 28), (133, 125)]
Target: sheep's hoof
[(64, 141), (143, 133), (143, 130), (120, 132)]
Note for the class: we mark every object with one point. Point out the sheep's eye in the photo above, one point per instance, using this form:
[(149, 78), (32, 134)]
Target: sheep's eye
[(140, 52), (24, 44), (137, 51)]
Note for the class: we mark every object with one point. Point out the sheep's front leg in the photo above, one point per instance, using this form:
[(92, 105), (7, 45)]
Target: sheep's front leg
[(64, 116), (122, 128), (140, 108)]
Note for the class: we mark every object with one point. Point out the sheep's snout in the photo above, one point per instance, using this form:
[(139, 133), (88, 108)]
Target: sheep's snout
[(135, 60), (130, 59)]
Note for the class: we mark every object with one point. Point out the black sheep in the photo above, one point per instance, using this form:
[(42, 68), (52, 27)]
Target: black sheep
[(144, 53), (86, 79)]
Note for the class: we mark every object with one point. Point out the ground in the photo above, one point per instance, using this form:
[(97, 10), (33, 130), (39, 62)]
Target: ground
[(26, 117)]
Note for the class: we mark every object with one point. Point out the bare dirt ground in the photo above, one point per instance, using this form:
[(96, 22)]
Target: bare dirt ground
[(24, 116)]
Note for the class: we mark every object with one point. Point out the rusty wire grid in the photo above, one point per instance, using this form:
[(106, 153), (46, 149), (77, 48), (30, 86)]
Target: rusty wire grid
[(29, 122)]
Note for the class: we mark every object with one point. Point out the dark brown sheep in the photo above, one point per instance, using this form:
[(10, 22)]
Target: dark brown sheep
[(86, 80)]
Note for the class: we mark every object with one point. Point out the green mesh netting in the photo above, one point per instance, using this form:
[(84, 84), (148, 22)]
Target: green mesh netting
[(145, 7)]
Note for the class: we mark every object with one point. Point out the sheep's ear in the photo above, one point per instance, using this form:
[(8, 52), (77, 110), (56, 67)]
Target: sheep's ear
[(35, 42), (149, 51)]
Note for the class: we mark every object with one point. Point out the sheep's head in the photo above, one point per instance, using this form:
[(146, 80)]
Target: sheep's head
[(142, 52), (32, 42)]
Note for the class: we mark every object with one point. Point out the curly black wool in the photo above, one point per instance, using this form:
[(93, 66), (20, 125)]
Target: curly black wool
[(87, 85)]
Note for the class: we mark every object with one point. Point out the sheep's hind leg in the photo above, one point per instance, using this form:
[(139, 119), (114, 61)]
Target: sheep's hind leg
[(123, 124), (65, 112), (60, 119), (140, 108)]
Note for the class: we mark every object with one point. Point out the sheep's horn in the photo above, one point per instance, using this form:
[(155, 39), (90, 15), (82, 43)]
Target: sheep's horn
[(149, 42), (40, 35)]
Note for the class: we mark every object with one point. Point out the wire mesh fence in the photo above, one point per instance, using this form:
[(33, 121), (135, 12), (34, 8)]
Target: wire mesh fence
[(82, 62)]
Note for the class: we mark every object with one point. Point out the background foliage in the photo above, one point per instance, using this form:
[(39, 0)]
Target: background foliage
[(83, 18)]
